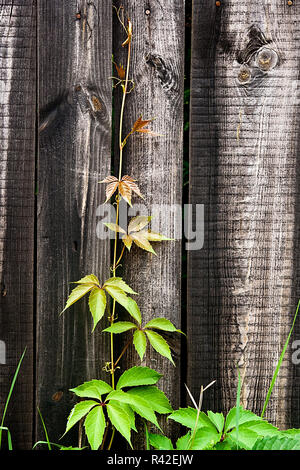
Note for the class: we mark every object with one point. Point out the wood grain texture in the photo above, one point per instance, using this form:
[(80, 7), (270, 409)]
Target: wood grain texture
[(17, 157), (244, 284), (157, 69), (74, 155)]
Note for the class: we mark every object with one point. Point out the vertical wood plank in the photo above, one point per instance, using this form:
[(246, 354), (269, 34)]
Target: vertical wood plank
[(74, 155), (157, 69), (17, 157), (243, 284)]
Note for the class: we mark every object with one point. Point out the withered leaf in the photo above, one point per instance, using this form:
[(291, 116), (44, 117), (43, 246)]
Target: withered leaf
[(126, 186), (120, 71)]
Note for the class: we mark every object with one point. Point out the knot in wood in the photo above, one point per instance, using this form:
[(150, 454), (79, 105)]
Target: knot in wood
[(244, 74), (266, 59)]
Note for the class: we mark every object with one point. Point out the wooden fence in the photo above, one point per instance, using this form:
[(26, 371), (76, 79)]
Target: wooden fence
[(56, 126)]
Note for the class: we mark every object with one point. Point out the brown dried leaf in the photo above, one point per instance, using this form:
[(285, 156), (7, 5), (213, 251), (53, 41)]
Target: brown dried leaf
[(110, 190), (130, 182), (139, 124), (120, 71)]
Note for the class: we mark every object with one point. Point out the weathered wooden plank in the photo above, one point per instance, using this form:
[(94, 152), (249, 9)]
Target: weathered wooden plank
[(157, 68), (17, 170), (74, 155), (243, 284)]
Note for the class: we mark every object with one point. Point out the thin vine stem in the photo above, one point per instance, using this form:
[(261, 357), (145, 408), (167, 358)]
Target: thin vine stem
[(121, 146)]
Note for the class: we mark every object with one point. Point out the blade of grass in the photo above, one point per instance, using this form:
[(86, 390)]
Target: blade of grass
[(10, 393), (238, 401), (9, 441), (279, 363), (147, 436), (45, 429)]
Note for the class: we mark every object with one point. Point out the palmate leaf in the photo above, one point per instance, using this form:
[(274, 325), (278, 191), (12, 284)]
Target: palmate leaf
[(140, 343), (138, 375), (78, 412), (141, 240), (97, 305), (92, 389), (94, 425), (159, 344), (119, 419)]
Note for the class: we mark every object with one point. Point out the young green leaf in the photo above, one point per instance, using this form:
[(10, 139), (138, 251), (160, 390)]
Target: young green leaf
[(205, 439), (187, 417), (183, 442), (118, 294), (161, 324), (159, 344), (138, 375), (160, 442), (118, 282), (218, 420), (119, 419), (120, 327), (276, 443), (155, 397), (133, 309), (140, 343), (89, 279), (92, 389), (94, 425), (97, 304), (130, 413), (78, 412), (77, 293), (245, 416)]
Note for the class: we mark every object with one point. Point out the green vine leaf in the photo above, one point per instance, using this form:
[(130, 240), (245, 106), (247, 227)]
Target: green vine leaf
[(138, 375), (120, 327), (78, 412), (137, 403), (162, 324), (140, 343), (218, 419), (204, 439), (92, 389), (276, 443), (77, 294), (188, 416), (118, 282), (159, 344), (89, 279), (183, 442), (119, 419), (160, 442), (94, 426), (155, 397), (97, 305), (133, 308)]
